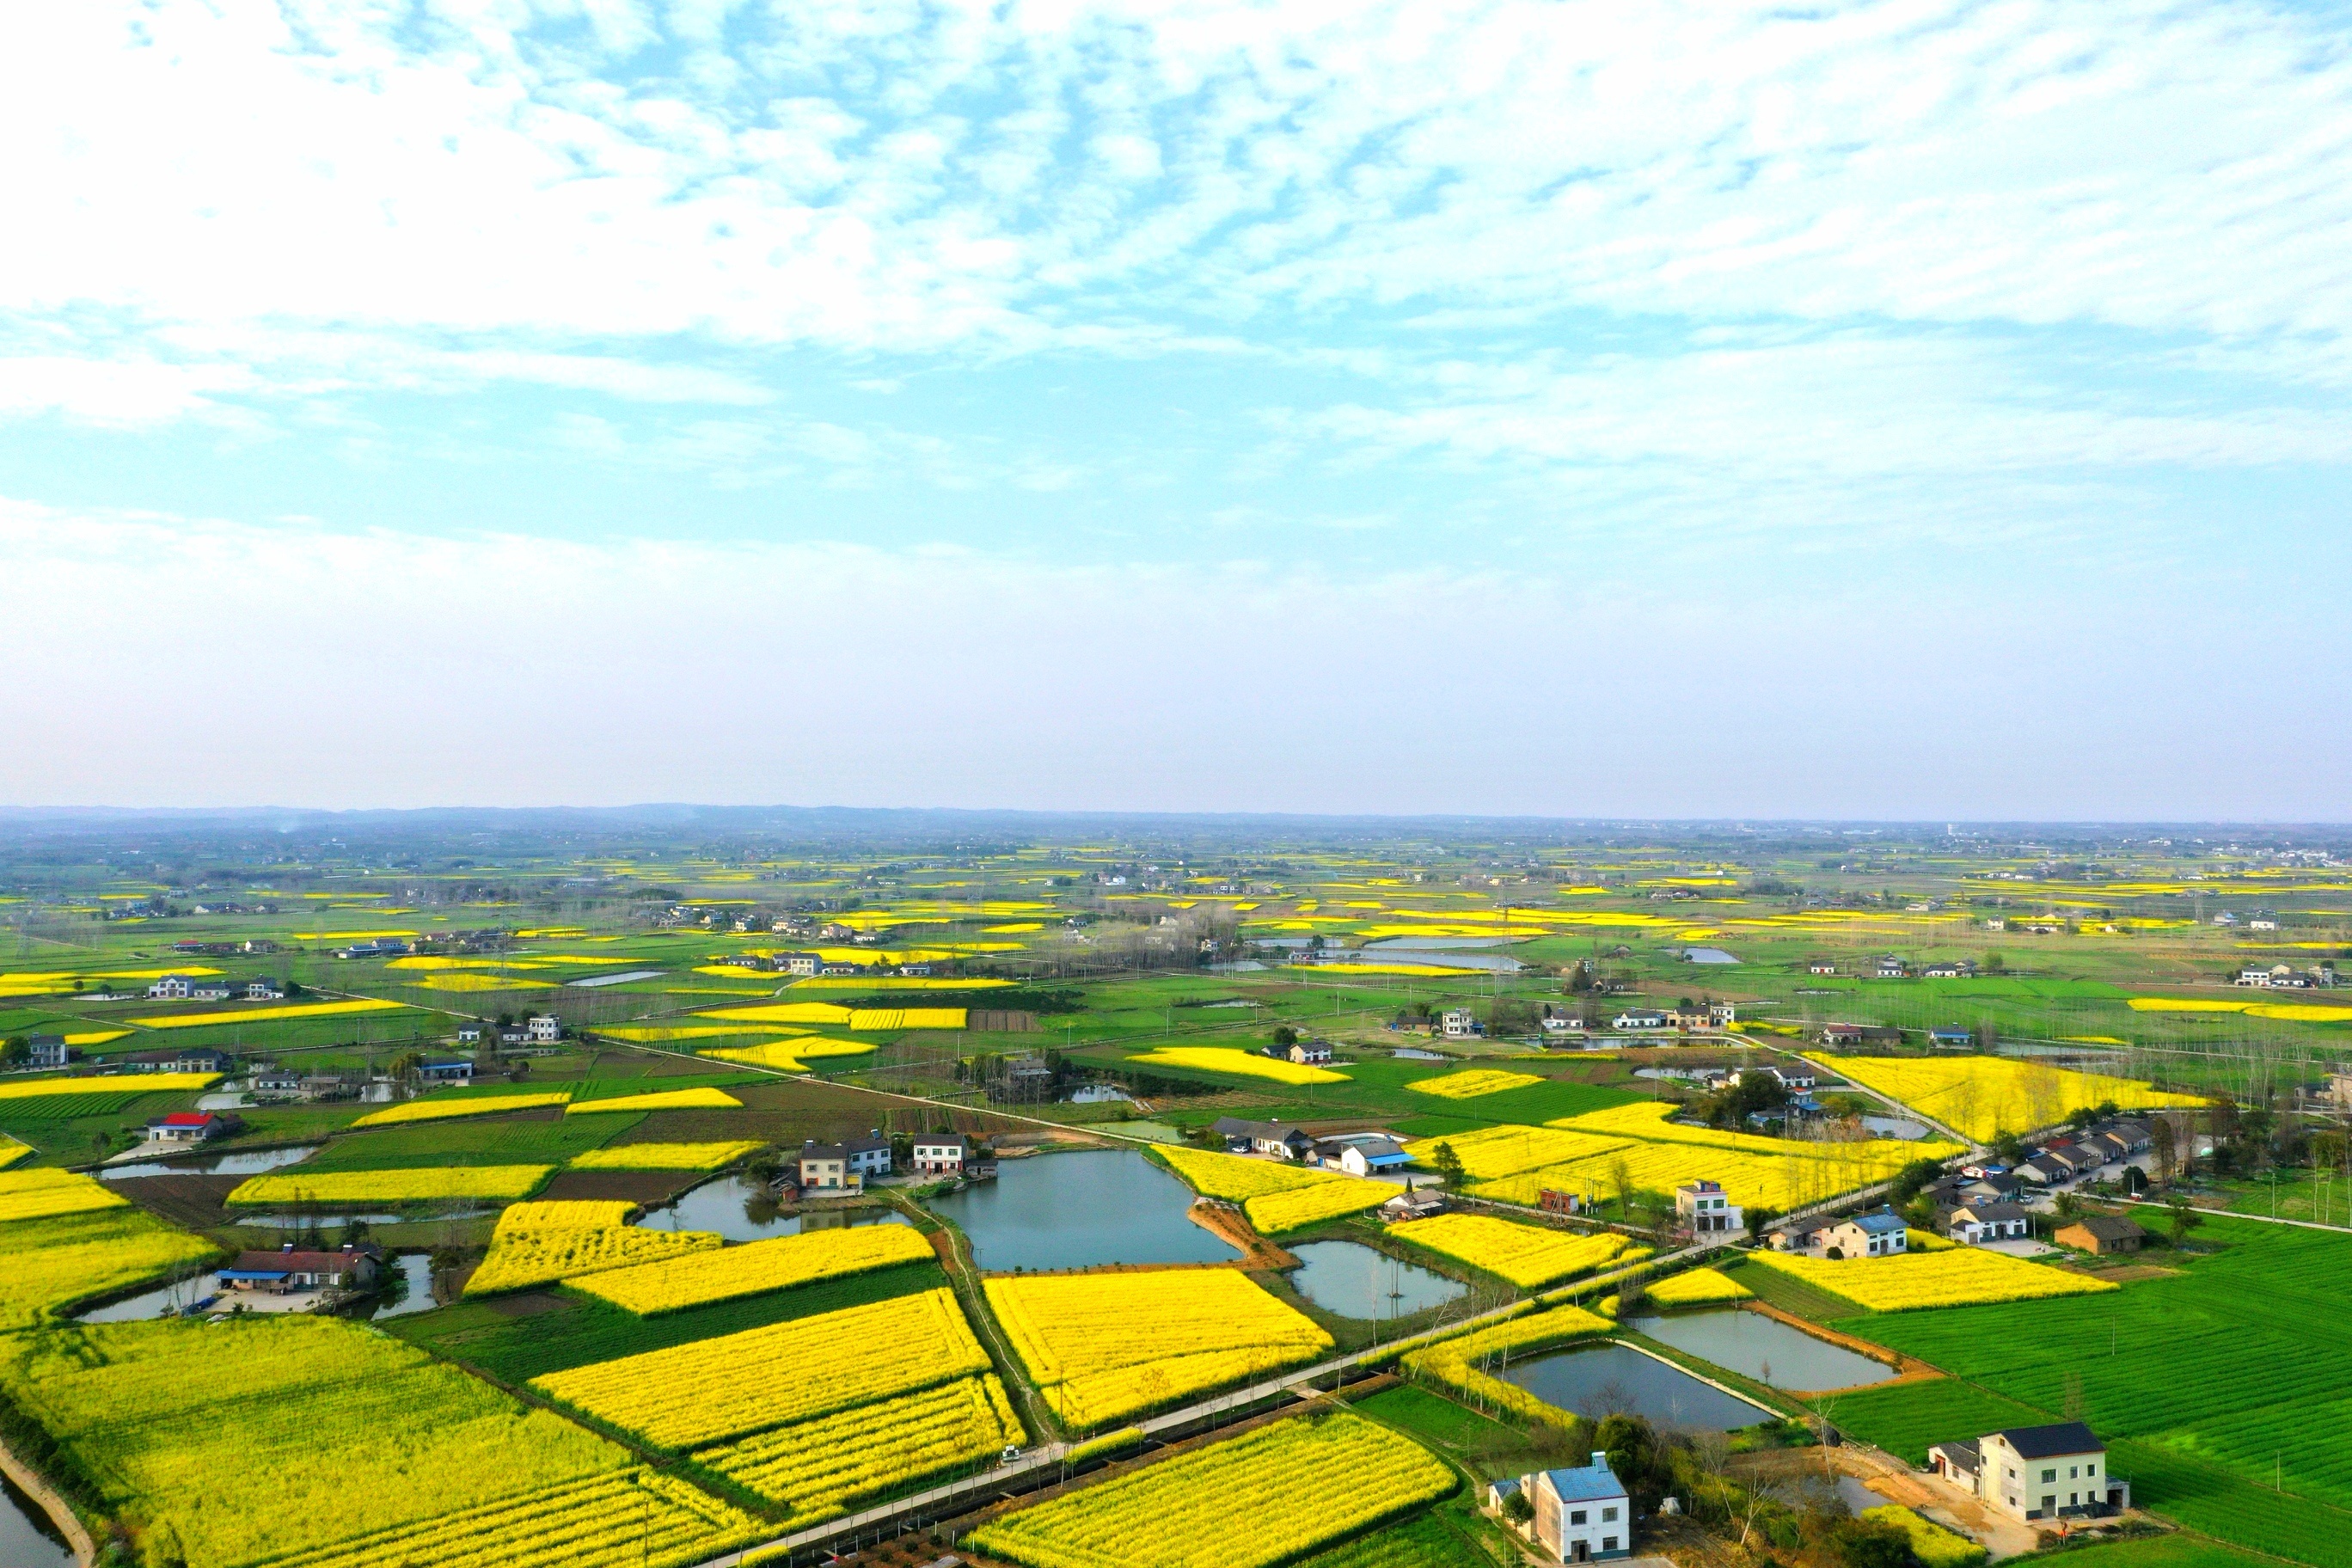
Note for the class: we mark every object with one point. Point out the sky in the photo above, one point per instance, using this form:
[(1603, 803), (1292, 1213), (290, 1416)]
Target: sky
[(1897, 410)]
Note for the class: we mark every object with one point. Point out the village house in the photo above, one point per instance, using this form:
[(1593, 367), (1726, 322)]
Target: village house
[(1892, 968), (1639, 1018), (1413, 1205), (1363, 1156), (170, 988), (1841, 1035), (844, 1166), (1459, 1024), (1951, 1037), (49, 1050), (264, 991), (1311, 1053), (470, 1034), (2102, 1233), (1794, 1235), (1795, 1079), (1582, 1515), (2031, 1473), (546, 1029), (1950, 969), (1707, 1015), (1976, 1223), (190, 1127), (457, 1070), (276, 1081), (1821, 966), (325, 1085), (940, 1153), (351, 1267), (1280, 1139), (1703, 1208), (1880, 1234)]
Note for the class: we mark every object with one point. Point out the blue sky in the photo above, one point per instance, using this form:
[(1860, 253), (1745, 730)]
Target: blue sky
[(1888, 409)]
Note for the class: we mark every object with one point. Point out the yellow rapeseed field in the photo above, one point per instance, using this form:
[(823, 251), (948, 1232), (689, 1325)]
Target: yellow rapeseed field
[(47, 1264), (757, 1267), (1659, 1156), (871, 1018), (1697, 1288), (48, 1194), (1241, 1064), (1102, 1347), (443, 1184), (780, 1013), (1509, 1149), (665, 1156), (636, 1518), (1277, 1196), (270, 1014), (1454, 1362), (1986, 1096), (1965, 1276), (788, 1056), (521, 1258), (438, 1107), (660, 1034), (1269, 1496), (665, 1100), (712, 1389), (11, 1152), (1528, 1256), (1473, 1082), (564, 1213), (145, 1083), (822, 1469)]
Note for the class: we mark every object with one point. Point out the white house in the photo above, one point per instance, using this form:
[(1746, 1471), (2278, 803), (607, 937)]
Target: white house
[(1311, 1053), (1703, 1208), (940, 1153), (1459, 1023), (264, 991), (2031, 1473), (546, 1029), (170, 988), (1582, 1515), (1645, 1018), (1880, 1234), (1972, 1225)]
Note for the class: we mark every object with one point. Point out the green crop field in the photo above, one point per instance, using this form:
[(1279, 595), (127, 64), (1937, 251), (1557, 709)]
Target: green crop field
[(2224, 1388)]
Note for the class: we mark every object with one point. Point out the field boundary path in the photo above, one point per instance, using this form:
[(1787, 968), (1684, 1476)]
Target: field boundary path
[(36, 1486)]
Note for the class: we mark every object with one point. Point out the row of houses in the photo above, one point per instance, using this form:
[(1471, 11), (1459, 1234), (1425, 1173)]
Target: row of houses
[(2286, 977), (844, 1166), (1890, 966), (541, 1029), (52, 1051), (1705, 1016), (1357, 1153), (183, 988)]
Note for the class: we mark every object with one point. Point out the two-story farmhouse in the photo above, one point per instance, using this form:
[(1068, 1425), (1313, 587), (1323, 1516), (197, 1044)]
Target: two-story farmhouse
[(2036, 1473)]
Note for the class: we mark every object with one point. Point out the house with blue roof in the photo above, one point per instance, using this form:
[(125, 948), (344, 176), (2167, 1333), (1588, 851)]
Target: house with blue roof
[(1582, 1513), (1880, 1234)]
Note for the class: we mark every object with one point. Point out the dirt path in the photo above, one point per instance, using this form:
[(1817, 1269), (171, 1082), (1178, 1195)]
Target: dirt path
[(33, 1485)]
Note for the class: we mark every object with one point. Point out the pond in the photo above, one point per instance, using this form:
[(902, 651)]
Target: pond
[(1894, 1126), (1099, 1094), (741, 1208), (1415, 1054), (1765, 1348), (1607, 1379), (1075, 1210), (28, 1539), (179, 1297), (1359, 1281), (1708, 956), (252, 1162), (412, 1292)]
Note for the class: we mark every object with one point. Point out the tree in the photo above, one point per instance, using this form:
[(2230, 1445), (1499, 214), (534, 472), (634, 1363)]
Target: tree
[(1448, 1164), (1284, 1034), (2184, 1219), (15, 1052), (1621, 1176), (1759, 1220), (2163, 1147), (1517, 1509), (1914, 1178)]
